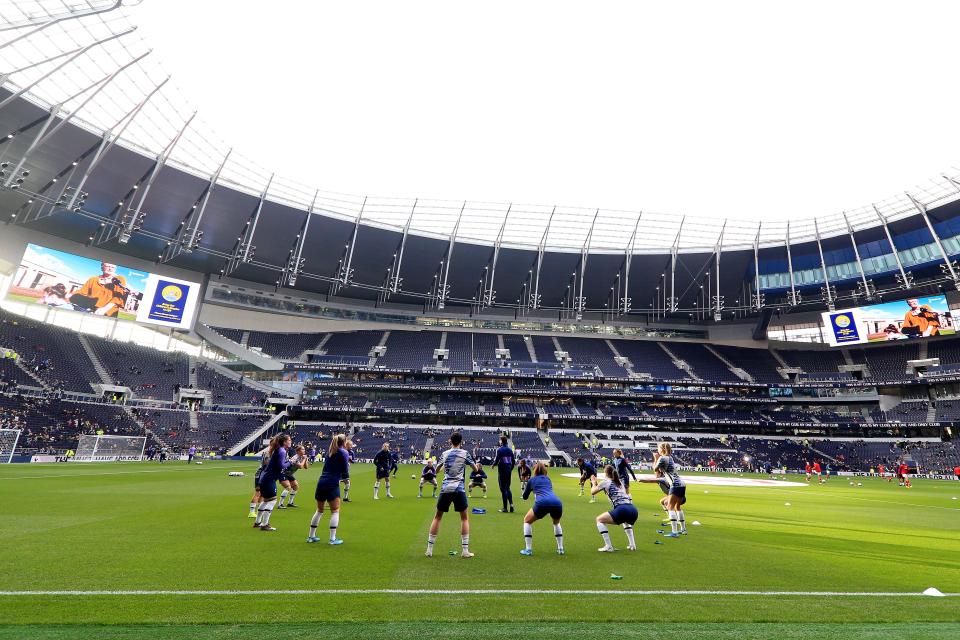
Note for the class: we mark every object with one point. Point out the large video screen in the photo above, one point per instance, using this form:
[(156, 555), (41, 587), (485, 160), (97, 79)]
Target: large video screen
[(900, 320), (68, 281)]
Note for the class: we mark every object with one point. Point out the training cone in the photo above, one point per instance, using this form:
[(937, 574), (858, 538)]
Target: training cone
[(706, 491), (695, 523), (786, 504), (933, 592)]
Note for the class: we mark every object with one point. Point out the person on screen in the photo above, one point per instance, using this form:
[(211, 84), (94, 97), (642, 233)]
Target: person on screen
[(55, 296), (107, 292), (920, 320)]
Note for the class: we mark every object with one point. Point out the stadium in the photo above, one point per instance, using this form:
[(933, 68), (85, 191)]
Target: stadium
[(176, 321)]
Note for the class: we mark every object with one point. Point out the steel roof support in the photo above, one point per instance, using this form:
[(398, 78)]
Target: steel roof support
[(23, 90), (868, 288), (296, 261), (758, 298), (948, 267), (348, 269), (244, 249), (490, 294), (15, 179), (905, 277), (43, 136), (673, 267), (827, 288), (535, 294), (717, 299), (133, 218), (393, 274), (624, 303), (580, 301), (189, 233), (52, 21), (794, 298), (443, 290), (109, 140)]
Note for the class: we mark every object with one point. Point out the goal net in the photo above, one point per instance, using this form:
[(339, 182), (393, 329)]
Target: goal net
[(8, 444), (110, 448)]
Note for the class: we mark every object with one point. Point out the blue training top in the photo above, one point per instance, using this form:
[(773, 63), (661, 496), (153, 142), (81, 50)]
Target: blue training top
[(504, 460), (277, 463), (542, 489), (335, 467)]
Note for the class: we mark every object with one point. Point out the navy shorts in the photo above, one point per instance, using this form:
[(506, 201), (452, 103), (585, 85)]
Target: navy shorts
[(256, 479), (456, 498), (268, 488), (624, 514), (382, 473), (680, 492), (430, 479), (287, 478), (586, 477), (345, 477), (552, 509), (326, 492)]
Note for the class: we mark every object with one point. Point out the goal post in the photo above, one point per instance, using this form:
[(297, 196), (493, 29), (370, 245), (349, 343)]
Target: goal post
[(8, 444), (93, 448)]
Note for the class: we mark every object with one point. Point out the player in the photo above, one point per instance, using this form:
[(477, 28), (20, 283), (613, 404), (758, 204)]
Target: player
[(818, 471), (623, 512), (808, 468), (678, 489), (624, 470), (395, 462), (288, 480), (276, 466), (880, 470), (255, 500), (191, 452), (712, 464), (523, 472), (454, 462), (383, 464), (545, 503), (587, 473), (478, 479), (328, 486), (903, 475), (345, 478), (504, 462), (428, 475)]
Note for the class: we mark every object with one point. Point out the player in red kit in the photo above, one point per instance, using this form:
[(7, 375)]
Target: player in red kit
[(809, 470), (817, 470)]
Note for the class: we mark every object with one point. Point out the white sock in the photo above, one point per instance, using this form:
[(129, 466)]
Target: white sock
[(528, 535), (430, 540), (314, 523), (253, 506), (602, 528), (334, 521), (268, 510), (628, 529), (420, 492), (673, 520), (681, 521), (283, 496), (558, 533), (293, 494), (261, 512), (346, 490), (465, 543), (376, 490), (388, 487)]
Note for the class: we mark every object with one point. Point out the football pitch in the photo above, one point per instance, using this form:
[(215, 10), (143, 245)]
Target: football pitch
[(142, 550)]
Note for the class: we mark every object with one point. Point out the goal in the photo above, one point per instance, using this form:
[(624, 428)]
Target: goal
[(109, 448), (8, 444)]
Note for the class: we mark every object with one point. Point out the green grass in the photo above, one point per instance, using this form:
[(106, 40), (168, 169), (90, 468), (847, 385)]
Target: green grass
[(179, 527)]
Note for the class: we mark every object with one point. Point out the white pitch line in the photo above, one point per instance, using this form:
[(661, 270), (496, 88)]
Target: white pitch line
[(418, 592), (93, 475)]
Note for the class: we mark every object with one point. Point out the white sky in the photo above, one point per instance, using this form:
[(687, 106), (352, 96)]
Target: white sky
[(754, 110)]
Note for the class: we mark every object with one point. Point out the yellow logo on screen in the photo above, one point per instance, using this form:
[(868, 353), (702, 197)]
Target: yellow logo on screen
[(842, 321), (171, 293)]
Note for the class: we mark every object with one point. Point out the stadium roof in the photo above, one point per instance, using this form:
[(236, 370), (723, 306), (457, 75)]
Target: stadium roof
[(88, 58)]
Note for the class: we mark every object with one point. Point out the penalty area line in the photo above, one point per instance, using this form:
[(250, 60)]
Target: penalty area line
[(441, 592)]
